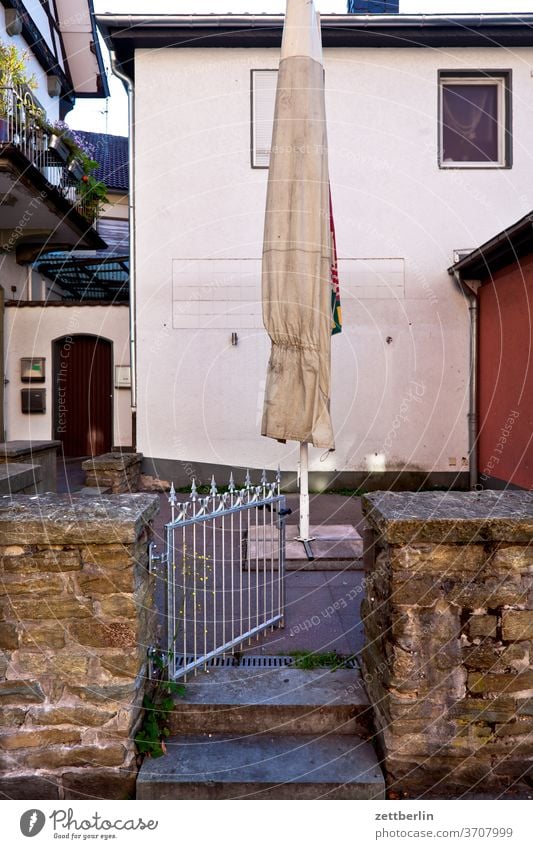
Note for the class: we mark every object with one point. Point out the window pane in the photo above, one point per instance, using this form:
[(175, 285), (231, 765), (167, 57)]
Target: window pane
[(470, 123)]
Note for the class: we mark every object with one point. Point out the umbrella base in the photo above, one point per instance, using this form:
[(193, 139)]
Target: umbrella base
[(333, 547)]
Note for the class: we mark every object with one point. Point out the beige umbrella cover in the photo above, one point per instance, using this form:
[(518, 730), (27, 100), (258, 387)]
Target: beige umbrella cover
[(297, 251)]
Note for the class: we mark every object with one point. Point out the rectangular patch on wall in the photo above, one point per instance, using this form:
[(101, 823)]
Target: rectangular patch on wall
[(370, 278), (214, 294)]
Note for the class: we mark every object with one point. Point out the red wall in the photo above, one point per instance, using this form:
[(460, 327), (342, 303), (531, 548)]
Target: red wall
[(505, 406)]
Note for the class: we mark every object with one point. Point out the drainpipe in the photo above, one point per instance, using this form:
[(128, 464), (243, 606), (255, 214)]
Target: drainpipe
[(470, 288), (118, 72)]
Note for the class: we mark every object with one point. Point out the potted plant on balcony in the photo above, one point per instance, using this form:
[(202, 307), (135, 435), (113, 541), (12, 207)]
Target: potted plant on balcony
[(13, 75)]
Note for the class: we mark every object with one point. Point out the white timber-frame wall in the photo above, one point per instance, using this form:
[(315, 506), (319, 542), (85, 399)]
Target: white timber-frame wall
[(400, 367)]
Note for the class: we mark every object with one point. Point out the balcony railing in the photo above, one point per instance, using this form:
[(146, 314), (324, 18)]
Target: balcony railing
[(21, 126)]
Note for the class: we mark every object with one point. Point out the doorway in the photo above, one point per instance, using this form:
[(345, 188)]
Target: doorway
[(83, 395)]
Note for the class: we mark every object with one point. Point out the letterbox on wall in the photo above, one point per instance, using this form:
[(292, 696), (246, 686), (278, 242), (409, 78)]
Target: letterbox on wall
[(33, 400)]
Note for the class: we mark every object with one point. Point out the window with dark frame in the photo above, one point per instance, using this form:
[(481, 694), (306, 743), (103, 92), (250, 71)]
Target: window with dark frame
[(474, 119)]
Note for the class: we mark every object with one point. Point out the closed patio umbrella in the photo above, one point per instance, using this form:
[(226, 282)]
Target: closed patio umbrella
[(300, 308)]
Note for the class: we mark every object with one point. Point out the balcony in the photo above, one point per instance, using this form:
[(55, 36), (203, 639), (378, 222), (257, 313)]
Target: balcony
[(41, 205)]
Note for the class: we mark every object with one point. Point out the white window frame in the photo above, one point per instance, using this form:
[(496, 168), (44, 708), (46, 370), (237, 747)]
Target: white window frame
[(260, 153), (501, 81)]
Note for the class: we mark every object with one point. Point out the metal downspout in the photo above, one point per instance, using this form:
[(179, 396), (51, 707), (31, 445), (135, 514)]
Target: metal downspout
[(473, 383), (132, 239)]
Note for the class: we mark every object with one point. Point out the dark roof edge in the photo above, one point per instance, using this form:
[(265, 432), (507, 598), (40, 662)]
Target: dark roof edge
[(353, 21), (512, 243)]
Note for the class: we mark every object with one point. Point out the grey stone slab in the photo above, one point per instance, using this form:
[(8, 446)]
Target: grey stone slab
[(280, 700), (263, 767), (277, 686), (18, 477), (17, 447), (451, 517), (331, 545), (45, 519)]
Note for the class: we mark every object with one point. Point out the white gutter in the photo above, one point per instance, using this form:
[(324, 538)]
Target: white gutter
[(132, 240)]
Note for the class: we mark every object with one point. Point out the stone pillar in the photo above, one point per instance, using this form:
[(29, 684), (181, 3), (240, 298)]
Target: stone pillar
[(115, 472), (77, 618), (449, 639)]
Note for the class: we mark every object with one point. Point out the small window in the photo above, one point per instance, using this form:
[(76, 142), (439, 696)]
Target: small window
[(474, 120), (263, 101)]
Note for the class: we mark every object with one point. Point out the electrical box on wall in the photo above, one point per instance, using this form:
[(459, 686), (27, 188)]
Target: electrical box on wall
[(33, 400), (122, 377), (32, 369)]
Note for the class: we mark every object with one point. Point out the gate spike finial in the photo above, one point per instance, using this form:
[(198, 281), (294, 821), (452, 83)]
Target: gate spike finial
[(247, 480), (194, 491), (264, 477), (172, 500), (214, 488), (231, 485)]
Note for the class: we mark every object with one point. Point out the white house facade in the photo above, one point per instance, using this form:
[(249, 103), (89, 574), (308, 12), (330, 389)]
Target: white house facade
[(429, 122)]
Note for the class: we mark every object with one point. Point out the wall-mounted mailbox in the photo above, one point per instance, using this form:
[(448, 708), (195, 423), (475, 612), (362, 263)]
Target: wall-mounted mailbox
[(33, 400), (32, 369)]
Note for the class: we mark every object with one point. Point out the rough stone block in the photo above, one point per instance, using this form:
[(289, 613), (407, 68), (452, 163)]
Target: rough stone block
[(81, 756), (484, 710), (118, 605), (12, 717), (489, 656), (124, 664), (490, 593), (80, 715), (35, 739), (69, 667), (47, 586), (440, 560), (516, 728), (511, 558), (53, 559), (100, 784), (99, 635), (123, 693), (102, 582), (510, 683), (20, 692), (517, 624), (30, 787), (482, 625), (58, 608), (42, 636), (114, 556), (8, 636)]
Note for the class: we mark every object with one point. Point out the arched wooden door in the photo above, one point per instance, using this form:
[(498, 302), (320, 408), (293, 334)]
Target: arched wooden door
[(83, 409)]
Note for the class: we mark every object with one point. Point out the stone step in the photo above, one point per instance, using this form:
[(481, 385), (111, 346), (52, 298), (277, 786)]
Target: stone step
[(290, 766), (280, 699)]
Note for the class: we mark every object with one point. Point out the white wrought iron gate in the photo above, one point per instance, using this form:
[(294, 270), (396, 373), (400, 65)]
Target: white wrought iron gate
[(225, 571)]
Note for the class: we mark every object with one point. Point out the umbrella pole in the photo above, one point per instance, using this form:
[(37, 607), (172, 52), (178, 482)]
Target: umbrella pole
[(304, 499)]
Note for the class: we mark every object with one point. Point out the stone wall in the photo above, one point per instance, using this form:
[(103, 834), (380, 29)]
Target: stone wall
[(116, 472), (448, 658), (77, 615)]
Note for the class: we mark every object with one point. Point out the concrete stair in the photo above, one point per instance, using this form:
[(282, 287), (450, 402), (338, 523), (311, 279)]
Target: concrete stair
[(268, 733)]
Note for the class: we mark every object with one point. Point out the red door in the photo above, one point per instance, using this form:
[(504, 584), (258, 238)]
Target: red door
[(83, 418)]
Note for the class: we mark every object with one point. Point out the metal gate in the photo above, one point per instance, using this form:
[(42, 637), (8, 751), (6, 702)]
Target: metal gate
[(225, 570)]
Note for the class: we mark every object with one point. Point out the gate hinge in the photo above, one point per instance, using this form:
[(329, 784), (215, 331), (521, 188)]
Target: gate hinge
[(155, 560)]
